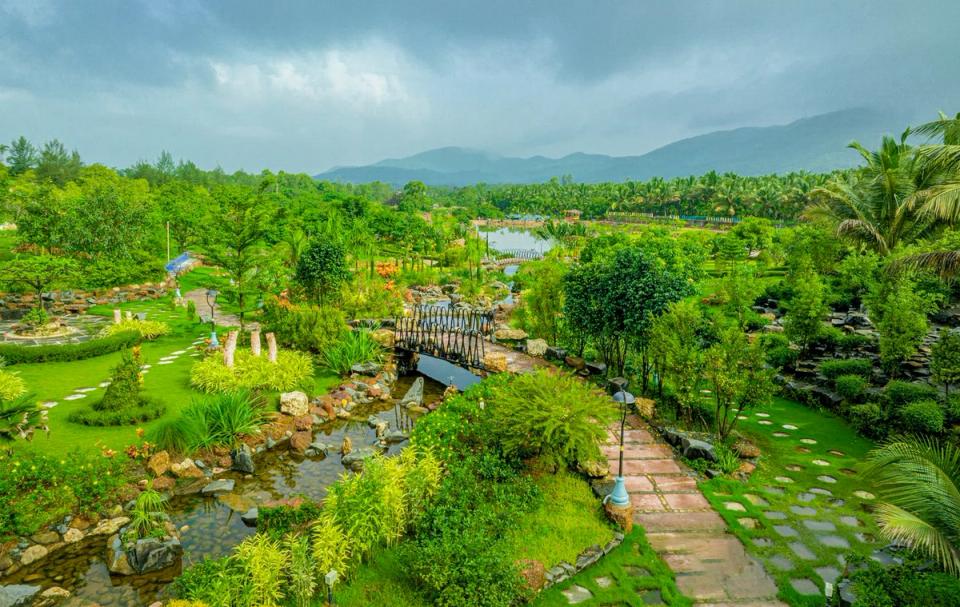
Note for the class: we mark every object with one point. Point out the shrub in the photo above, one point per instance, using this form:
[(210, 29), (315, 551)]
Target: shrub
[(900, 393), (263, 562), (147, 329), (300, 582), (212, 421), (352, 348), (851, 387), (128, 416), (308, 328), (213, 582), (122, 403), (828, 337), (191, 310), (910, 584), (459, 428), (11, 386), (849, 366), (852, 341), (922, 417), (15, 354), (280, 520), (292, 370), (774, 340), (869, 420), (331, 547), (782, 357), (553, 416)]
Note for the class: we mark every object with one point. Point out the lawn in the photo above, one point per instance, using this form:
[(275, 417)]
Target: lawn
[(806, 505)]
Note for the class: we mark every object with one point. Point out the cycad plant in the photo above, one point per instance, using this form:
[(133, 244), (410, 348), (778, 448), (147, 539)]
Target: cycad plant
[(918, 480), (20, 417)]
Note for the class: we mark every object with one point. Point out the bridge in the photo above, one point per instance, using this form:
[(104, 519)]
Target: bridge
[(513, 256), (457, 336)]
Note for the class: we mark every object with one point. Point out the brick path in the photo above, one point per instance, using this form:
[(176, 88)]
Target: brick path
[(711, 565)]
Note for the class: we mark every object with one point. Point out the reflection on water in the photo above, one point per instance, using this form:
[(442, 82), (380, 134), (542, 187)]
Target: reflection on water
[(210, 527), (446, 373), (511, 239)]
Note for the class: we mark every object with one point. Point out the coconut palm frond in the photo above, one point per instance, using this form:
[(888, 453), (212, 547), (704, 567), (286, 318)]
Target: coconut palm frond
[(940, 157), (945, 264), (900, 526), (863, 230), (939, 202)]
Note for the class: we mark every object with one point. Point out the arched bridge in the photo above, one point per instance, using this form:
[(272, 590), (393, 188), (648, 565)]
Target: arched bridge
[(454, 335)]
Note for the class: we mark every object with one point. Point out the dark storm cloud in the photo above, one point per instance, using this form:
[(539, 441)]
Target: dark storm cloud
[(305, 85)]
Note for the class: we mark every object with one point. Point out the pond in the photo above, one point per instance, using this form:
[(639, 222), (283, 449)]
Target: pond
[(514, 239), (209, 526)]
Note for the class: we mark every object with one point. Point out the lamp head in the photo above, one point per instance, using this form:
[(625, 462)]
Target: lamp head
[(331, 577), (624, 397)]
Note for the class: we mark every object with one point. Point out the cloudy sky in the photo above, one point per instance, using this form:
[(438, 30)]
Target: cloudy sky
[(306, 85)]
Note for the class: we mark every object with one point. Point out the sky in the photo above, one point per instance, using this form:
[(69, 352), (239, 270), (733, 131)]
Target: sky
[(303, 86)]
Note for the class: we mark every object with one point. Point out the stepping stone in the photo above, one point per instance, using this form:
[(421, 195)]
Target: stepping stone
[(819, 525), (803, 510), (833, 541), (741, 417), (651, 597), (748, 523), (103, 384), (577, 594), (734, 506), (864, 495), (781, 562), (603, 582), (820, 491), (805, 497), (794, 468), (165, 362), (783, 479), (864, 538), (145, 366), (836, 453), (179, 352), (802, 551), (828, 574), (826, 479), (780, 434), (803, 450), (785, 530), (756, 500), (821, 462), (774, 490), (634, 571), (50, 404), (761, 542), (763, 415), (194, 355), (789, 427), (848, 471), (74, 397), (808, 441), (805, 587), (838, 503), (764, 422), (168, 358), (850, 521), (773, 515), (144, 371)]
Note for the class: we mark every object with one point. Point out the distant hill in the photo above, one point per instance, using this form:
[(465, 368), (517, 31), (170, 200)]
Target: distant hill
[(814, 144)]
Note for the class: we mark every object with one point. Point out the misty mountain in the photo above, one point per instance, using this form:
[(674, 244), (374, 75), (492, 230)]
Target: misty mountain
[(816, 144)]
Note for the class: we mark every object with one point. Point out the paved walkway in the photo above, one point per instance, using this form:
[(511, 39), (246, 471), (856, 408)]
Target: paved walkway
[(711, 565), (199, 299)]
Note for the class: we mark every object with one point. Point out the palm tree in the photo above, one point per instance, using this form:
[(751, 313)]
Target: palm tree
[(918, 480)]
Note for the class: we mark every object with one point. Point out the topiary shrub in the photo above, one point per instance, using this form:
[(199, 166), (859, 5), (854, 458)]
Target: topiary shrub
[(291, 371), (832, 369), (899, 393), (122, 403), (922, 417), (851, 387), (869, 420)]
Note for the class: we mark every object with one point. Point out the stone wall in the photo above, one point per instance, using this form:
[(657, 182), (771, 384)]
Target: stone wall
[(15, 305)]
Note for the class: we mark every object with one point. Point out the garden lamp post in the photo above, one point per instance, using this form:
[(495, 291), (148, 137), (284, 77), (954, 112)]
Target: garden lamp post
[(212, 302), (330, 579), (619, 495)]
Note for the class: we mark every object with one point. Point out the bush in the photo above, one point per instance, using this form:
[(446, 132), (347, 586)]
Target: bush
[(828, 337), (459, 428), (11, 386), (852, 341), (308, 328), (292, 370), (352, 348), (281, 520), (128, 416), (212, 421), (900, 393), (911, 584), (851, 387), (263, 562), (782, 357), (833, 369), (15, 354), (922, 417), (122, 403), (147, 329), (869, 420)]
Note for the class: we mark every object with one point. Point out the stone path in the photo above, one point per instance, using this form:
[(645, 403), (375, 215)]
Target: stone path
[(711, 565), (199, 299)]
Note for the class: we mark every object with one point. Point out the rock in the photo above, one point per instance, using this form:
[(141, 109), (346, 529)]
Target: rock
[(159, 463), (300, 441), (146, 555), (355, 459), (510, 334), (495, 362), (537, 347), (110, 526), (72, 536), (414, 396), (396, 436), (594, 469), (53, 595), (294, 403), (588, 557), (242, 460), (746, 449), (672, 436), (304, 422), (249, 517), (222, 485), (534, 574), (576, 362), (164, 483), (237, 503), (698, 449), (32, 554), (368, 368), (46, 537), (622, 516), (596, 368), (17, 595), (186, 469), (384, 337), (554, 353)]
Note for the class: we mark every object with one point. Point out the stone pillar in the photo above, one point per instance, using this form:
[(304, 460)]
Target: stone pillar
[(129, 315), (272, 347), (230, 348), (255, 342), (117, 317)]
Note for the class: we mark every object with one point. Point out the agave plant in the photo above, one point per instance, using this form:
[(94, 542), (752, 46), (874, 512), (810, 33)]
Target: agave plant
[(918, 480)]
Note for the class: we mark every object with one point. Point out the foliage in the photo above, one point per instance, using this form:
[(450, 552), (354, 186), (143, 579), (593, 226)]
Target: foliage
[(542, 301), (331, 547), (851, 388), (16, 354), (832, 369), (782, 357), (353, 347), (147, 515), (263, 562), (677, 344), (301, 327), (903, 322), (301, 581), (213, 582), (551, 416), (806, 309), (122, 402), (910, 584), (922, 417), (917, 479), (11, 386), (292, 370), (945, 360), (38, 272), (869, 420), (147, 329), (740, 381), (740, 288), (322, 267), (459, 427), (900, 393), (215, 420)]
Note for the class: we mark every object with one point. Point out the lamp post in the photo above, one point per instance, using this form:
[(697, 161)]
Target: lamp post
[(330, 579), (212, 302), (619, 495)]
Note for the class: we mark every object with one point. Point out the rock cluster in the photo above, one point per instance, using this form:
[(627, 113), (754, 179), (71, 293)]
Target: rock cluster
[(15, 305), (591, 555)]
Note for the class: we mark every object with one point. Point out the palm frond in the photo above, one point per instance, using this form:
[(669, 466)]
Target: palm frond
[(945, 264)]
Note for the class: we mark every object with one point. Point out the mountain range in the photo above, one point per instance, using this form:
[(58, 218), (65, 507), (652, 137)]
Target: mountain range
[(816, 144)]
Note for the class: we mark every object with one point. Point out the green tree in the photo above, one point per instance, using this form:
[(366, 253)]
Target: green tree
[(542, 301), (38, 272), (739, 376), (186, 208), (21, 156), (740, 288), (322, 267), (675, 339), (902, 324), (56, 165), (803, 321), (945, 360)]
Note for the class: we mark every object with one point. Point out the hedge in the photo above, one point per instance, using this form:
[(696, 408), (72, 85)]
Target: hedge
[(16, 354)]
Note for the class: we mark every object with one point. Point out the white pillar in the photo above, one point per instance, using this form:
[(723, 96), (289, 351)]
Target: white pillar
[(117, 317), (230, 348), (255, 342), (272, 347), (129, 315)]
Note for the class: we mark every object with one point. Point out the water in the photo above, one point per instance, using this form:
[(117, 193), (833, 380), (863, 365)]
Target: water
[(510, 239), (445, 372), (213, 528)]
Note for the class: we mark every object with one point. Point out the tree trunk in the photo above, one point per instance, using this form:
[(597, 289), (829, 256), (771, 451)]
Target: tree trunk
[(230, 349), (255, 342), (271, 347)]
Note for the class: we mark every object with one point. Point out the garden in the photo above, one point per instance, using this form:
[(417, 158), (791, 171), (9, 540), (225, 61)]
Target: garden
[(402, 397)]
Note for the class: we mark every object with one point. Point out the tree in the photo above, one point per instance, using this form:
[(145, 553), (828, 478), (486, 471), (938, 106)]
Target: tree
[(918, 480), (803, 321), (185, 207), (322, 267), (945, 360), (38, 272), (21, 156), (740, 378), (542, 301), (902, 324), (675, 339), (56, 165), (740, 289)]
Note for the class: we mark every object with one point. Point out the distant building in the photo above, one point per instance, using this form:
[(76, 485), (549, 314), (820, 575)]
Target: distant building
[(572, 215)]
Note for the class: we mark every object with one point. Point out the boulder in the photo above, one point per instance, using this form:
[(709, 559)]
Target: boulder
[(396, 436), (537, 347), (368, 368), (53, 595), (698, 449), (384, 337), (72, 536), (146, 555), (249, 517), (186, 469), (46, 537), (596, 368), (32, 554), (576, 362), (414, 396), (17, 595), (495, 362), (355, 459), (222, 485), (164, 483), (507, 333), (242, 459), (594, 469), (746, 449), (159, 463), (294, 403), (300, 441), (110, 526), (554, 353), (304, 422)]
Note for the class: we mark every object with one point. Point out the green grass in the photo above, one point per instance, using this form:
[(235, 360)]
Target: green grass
[(382, 581), (782, 458), (634, 571), (8, 240), (569, 520)]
